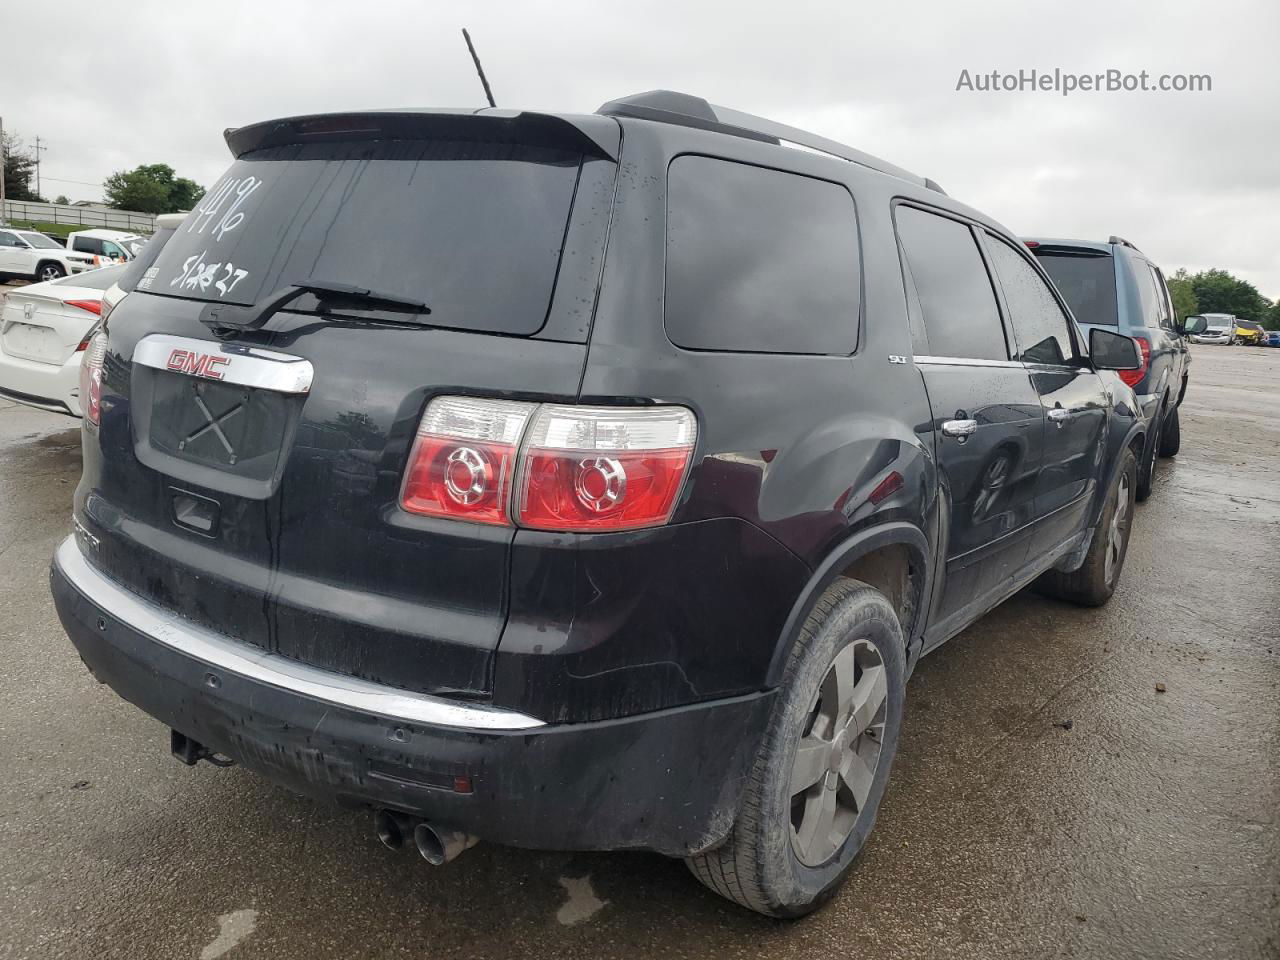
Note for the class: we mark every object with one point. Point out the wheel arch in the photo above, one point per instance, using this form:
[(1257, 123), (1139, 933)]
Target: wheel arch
[(895, 558), (50, 262)]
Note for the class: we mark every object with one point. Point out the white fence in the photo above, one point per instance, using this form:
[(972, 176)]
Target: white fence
[(83, 216)]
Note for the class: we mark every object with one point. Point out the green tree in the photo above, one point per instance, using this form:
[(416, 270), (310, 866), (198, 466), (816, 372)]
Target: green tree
[(151, 188), (1273, 317), (1217, 291), (61, 198), (1183, 294), (19, 170)]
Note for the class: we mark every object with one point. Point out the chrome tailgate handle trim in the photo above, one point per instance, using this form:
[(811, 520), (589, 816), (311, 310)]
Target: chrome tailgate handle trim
[(236, 363), (216, 650)]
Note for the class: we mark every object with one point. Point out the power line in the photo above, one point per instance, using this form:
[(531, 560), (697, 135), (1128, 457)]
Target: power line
[(83, 183)]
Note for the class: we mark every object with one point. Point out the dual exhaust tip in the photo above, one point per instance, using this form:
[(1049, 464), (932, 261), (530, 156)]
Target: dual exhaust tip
[(436, 845)]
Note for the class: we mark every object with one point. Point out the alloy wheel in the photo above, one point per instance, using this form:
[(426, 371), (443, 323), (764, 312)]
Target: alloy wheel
[(839, 753), (50, 273), (1119, 529)]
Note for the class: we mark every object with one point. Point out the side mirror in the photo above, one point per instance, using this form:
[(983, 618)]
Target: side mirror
[(1113, 351), (1193, 325)]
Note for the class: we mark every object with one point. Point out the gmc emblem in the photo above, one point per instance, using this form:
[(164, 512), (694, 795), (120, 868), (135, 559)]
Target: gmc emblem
[(196, 364)]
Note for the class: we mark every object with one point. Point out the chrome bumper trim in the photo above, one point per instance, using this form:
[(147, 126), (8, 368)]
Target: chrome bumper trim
[(225, 654)]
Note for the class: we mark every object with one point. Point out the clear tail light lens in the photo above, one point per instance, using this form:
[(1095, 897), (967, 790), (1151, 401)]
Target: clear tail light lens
[(463, 460), (91, 378), (603, 468), (1134, 377)]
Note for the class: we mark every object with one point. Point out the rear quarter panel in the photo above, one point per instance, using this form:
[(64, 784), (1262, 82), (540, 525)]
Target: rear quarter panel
[(793, 446)]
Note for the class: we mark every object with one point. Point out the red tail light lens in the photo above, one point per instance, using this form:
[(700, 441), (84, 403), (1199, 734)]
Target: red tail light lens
[(91, 378), (1134, 377), (603, 468), (92, 306), (464, 459)]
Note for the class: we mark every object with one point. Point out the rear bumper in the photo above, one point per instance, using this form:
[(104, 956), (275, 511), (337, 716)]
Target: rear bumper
[(668, 781), (44, 385)]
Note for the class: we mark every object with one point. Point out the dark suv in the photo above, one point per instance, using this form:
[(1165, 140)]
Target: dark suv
[(607, 501), (1115, 286)]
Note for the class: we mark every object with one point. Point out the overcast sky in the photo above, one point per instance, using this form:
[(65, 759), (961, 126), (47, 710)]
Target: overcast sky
[(1192, 178)]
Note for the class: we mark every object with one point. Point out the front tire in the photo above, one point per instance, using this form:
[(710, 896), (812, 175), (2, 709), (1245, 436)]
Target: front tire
[(1171, 438), (1095, 581), (824, 761), (49, 271)]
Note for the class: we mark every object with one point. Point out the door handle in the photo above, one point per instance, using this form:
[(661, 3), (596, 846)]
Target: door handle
[(960, 429), (1060, 415)]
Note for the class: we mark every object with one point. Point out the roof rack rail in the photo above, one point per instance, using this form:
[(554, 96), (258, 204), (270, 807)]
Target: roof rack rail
[(1123, 242), (682, 109)]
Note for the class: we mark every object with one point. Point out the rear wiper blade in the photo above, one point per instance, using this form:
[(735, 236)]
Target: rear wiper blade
[(232, 317), (327, 292)]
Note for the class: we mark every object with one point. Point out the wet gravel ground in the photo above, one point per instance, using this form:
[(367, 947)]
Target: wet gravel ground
[(1147, 829)]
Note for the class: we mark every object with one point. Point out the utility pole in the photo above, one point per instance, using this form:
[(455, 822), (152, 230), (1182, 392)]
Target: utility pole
[(2, 167), (39, 150)]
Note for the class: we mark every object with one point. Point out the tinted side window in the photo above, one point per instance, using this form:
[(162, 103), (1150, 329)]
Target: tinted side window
[(960, 314), (8, 240), (1164, 304), (1040, 326), (1148, 296), (760, 260), (87, 245)]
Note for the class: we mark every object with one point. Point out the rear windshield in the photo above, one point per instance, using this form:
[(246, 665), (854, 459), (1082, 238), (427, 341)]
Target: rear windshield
[(474, 230), (1087, 282)]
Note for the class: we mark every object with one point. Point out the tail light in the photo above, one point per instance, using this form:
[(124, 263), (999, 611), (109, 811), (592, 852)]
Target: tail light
[(91, 378), (92, 306), (464, 459), (562, 467), (1134, 377), (603, 468)]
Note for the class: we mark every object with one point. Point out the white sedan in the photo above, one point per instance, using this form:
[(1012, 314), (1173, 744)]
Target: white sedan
[(44, 330)]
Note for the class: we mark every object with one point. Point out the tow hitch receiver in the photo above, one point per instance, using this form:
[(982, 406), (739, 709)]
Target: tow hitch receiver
[(192, 752)]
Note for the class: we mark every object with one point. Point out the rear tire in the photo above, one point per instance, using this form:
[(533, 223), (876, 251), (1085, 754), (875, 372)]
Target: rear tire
[(1147, 468), (1171, 438), (1095, 581), (824, 761)]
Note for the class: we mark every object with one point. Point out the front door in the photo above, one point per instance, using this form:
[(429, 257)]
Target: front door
[(1073, 396)]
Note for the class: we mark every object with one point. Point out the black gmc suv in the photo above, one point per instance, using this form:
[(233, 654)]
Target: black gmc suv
[(581, 482)]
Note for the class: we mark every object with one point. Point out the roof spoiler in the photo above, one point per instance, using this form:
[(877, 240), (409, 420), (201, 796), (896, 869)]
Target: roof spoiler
[(682, 109), (484, 126)]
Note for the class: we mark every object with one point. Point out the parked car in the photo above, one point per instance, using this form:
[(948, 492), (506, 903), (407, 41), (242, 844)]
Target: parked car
[(581, 551), (1272, 339), (45, 328), (27, 255), (44, 331), (106, 246), (1248, 333), (1114, 286), (1220, 328)]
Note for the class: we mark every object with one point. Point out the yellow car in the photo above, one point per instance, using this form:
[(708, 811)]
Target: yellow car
[(1249, 333)]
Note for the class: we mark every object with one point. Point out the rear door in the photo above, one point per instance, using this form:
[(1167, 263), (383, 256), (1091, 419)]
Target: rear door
[(987, 415), (13, 257), (252, 483), (1072, 394)]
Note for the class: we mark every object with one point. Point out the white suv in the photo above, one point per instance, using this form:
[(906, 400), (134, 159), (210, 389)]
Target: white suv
[(27, 255)]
